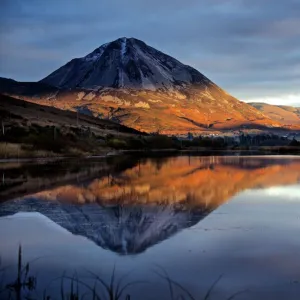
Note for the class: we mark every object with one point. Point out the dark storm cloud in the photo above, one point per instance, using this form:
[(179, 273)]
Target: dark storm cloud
[(249, 47)]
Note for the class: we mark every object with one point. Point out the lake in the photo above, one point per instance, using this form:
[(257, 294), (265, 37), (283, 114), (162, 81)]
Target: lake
[(184, 227)]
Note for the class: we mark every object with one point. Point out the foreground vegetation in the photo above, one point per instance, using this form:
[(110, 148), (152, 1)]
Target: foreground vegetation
[(51, 142), (25, 286)]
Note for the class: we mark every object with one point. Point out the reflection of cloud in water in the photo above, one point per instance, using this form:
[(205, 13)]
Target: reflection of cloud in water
[(276, 193), (286, 192)]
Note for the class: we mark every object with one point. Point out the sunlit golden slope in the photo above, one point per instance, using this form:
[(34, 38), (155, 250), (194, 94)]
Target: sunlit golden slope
[(169, 113), (194, 108)]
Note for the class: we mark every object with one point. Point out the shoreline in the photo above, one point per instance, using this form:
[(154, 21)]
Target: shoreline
[(148, 152)]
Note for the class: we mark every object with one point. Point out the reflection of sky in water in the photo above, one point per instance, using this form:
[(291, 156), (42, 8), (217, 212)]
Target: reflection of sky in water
[(253, 243), (252, 240)]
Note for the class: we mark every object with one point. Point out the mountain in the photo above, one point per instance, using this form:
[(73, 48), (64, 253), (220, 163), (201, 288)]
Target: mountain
[(140, 87), (126, 63), (288, 115)]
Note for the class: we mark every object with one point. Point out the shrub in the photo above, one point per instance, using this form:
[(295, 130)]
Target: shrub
[(159, 142), (294, 143), (117, 143), (136, 143)]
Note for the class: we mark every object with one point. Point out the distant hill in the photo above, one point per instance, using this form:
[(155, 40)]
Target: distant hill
[(293, 109), (284, 114)]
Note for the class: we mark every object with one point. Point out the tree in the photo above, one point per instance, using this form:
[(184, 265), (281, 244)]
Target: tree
[(3, 128), (294, 143), (190, 136)]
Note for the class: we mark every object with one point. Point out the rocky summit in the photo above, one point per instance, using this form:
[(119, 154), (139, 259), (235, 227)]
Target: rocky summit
[(126, 63)]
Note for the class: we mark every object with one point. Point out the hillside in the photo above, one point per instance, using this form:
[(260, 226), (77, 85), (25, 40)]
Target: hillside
[(23, 112), (38, 127), (293, 109), (138, 86), (287, 115)]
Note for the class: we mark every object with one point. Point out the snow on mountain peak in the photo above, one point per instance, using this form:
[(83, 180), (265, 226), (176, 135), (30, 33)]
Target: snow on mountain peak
[(96, 54), (125, 63)]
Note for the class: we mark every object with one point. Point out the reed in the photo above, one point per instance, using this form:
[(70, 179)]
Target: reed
[(24, 287)]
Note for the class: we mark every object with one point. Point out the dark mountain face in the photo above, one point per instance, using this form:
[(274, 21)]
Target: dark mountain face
[(122, 229), (125, 63)]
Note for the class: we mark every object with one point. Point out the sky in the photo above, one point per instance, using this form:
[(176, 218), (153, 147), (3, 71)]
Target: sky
[(251, 48)]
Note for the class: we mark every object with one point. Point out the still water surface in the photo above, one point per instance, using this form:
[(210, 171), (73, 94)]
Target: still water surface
[(195, 220)]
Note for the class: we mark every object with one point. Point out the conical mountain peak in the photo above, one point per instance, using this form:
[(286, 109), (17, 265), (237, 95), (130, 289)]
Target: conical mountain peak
[(125, 63)]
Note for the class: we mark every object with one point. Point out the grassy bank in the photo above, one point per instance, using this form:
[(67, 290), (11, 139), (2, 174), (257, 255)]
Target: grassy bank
[(10, 150)]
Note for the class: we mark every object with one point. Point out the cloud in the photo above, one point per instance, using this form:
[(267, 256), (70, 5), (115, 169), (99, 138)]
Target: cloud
[(288, 99), (249, 47), (275, 194), (288, 193)]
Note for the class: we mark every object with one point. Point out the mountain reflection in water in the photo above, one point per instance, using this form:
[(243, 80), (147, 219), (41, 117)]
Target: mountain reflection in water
[(128, 205)]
